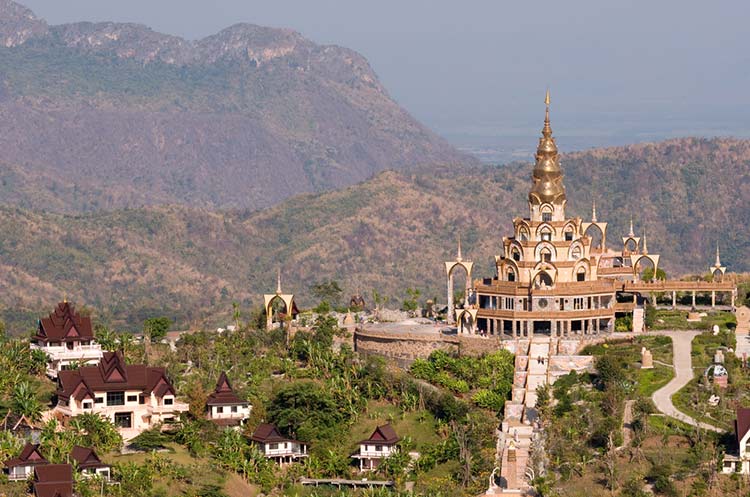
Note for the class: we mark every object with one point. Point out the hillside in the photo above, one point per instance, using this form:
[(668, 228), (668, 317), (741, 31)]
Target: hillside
[(386, 234), (110, 116)]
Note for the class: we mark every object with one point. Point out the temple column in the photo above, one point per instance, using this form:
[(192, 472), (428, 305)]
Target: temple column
[(693, 298), (451, 319), (713, 298), (531, 328), (674, 299), (515, 328), (733, 296)]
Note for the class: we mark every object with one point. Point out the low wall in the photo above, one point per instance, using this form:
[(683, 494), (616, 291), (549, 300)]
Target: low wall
[(405, 348)]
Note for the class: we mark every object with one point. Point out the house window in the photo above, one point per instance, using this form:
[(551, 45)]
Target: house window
[(132, 398), (273, 447), (581, 276), (169, 401), (124, 419), (115, 398), (219, 410), (546, 236), (546, 217), (578, 303), (99, 400), (509, 302), (88, 405), (378, 448), (141, 399), (234, 408)]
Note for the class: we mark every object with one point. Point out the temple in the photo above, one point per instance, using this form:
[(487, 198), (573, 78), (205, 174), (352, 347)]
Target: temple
[(556, 275)]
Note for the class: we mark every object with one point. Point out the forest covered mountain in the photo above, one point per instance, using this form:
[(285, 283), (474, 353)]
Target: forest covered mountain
[(107, 116), (386, 234)]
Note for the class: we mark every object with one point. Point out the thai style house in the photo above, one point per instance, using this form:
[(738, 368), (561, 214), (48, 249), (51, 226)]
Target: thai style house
[(53, 480), (134, 397), (21, 426), (67, 338), (224, 407), (89, 463), (30, 458), (381, 444), (739, 462), (277, 447), (22, 467)]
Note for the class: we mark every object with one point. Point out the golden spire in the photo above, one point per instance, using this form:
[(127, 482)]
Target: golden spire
[(718, 260), (278, 281), (593, 212), (631, 233), (547, 175), (458, 254), (644, 251)]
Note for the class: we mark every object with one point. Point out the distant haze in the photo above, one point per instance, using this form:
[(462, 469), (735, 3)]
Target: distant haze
[(476, 71)]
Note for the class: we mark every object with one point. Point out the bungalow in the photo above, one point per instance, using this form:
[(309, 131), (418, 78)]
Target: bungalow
[(277, 447), (21, 426), (135, 397), (739, 462), (89, 464), (53, 480), (224, 407), (67, 338), (381, 444), (22, 467)]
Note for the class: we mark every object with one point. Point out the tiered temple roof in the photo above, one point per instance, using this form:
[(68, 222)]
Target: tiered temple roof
[(224, 395), (64, 324)]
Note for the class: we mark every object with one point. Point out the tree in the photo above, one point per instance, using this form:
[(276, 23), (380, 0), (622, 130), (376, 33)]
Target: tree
[(24, 401), (411, 302), (156, 328), (306, 410), (648, 274), (327, 291), (96, 431)]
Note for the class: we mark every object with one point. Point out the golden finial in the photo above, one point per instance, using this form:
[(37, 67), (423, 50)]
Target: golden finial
[(458, 254), (278, 281), (593, 211), (645, 244), (718, 260), (547, 131), (65, 298), (631, 233), (546, 98)]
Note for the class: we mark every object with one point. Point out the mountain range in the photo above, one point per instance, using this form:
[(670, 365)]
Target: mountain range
[(107, 116)]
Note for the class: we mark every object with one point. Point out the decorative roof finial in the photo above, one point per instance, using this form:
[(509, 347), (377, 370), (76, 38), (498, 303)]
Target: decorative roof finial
[(278, 281), (458, 254), (547, 130), (593, 212), (631, 233), (644, 251), (65, 298), (718, 260)]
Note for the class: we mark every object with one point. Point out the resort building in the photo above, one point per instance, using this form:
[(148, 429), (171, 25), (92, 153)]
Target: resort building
[(739, 462), (224, 407), (67, 338), (276, 446), (381, 445), (89, 463), (22, 467), (134, 397)]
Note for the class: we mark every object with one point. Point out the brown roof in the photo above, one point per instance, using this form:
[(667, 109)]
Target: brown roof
[(14, 422), (383, 435), (86, 458), (268, 433), (742, 423), (112, 374), (29, 456), (223, 393), (53, 480), (64, 325)]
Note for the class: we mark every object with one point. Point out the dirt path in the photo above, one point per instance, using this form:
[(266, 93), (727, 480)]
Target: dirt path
[(627, 423), (683, 373)]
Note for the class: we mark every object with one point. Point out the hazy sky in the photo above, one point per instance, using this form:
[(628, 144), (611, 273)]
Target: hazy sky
[(474, 69)]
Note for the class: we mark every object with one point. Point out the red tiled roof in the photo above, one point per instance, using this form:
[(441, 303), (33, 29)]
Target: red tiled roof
[(383, 435), (29, 456), (86, 458), (268, 433), (53, 480), (223, 394), (112, 374), (742, 423), (64, 325)]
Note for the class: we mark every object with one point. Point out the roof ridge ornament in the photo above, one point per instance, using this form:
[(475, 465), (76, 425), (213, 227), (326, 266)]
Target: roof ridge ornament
[(718, 259), (458, 254), (593, 212), (278, 280)]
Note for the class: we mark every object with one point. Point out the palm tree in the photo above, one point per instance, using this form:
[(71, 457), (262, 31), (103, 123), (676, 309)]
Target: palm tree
[(24, 401)]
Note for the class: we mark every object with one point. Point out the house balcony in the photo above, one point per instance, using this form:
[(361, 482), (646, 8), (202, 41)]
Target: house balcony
[(293, 451), (373, 454), (80, 352), (230, 415), (175, 408)]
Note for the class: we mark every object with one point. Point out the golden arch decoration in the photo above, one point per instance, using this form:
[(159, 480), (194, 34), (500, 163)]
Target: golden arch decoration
[(269, 299), (544, 245), (581, 251), (515, 245), (543, 267), (544, 227), (627, 239), (584, 264), (508, 265), (602, 227), (451, 266), (468, 316), (636, 258)]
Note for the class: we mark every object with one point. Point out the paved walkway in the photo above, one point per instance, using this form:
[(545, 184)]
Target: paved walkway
[(683, 373)]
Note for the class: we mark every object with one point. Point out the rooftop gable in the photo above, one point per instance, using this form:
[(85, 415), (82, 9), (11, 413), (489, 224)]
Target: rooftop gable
[(742, 423), (30, 455), (384, 434), (223, 394), (64, 324)]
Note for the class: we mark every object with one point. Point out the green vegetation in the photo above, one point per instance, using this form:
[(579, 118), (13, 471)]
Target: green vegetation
[(662, 319)]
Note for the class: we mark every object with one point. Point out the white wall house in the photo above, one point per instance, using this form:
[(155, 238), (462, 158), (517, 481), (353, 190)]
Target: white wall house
[(224, 408), (739, 462), (381, 445), (66, 338), (277, 447), (134, 397)]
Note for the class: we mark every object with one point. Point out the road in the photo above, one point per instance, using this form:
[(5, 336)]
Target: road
[(683, 373)]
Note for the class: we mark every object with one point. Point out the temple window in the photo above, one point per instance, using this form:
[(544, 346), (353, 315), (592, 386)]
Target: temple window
[(546, 217), (511, 275), (576, 253), (546, 255), (516, 254), (546, 235), (569, 236), (581, 275), (578, 303)]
